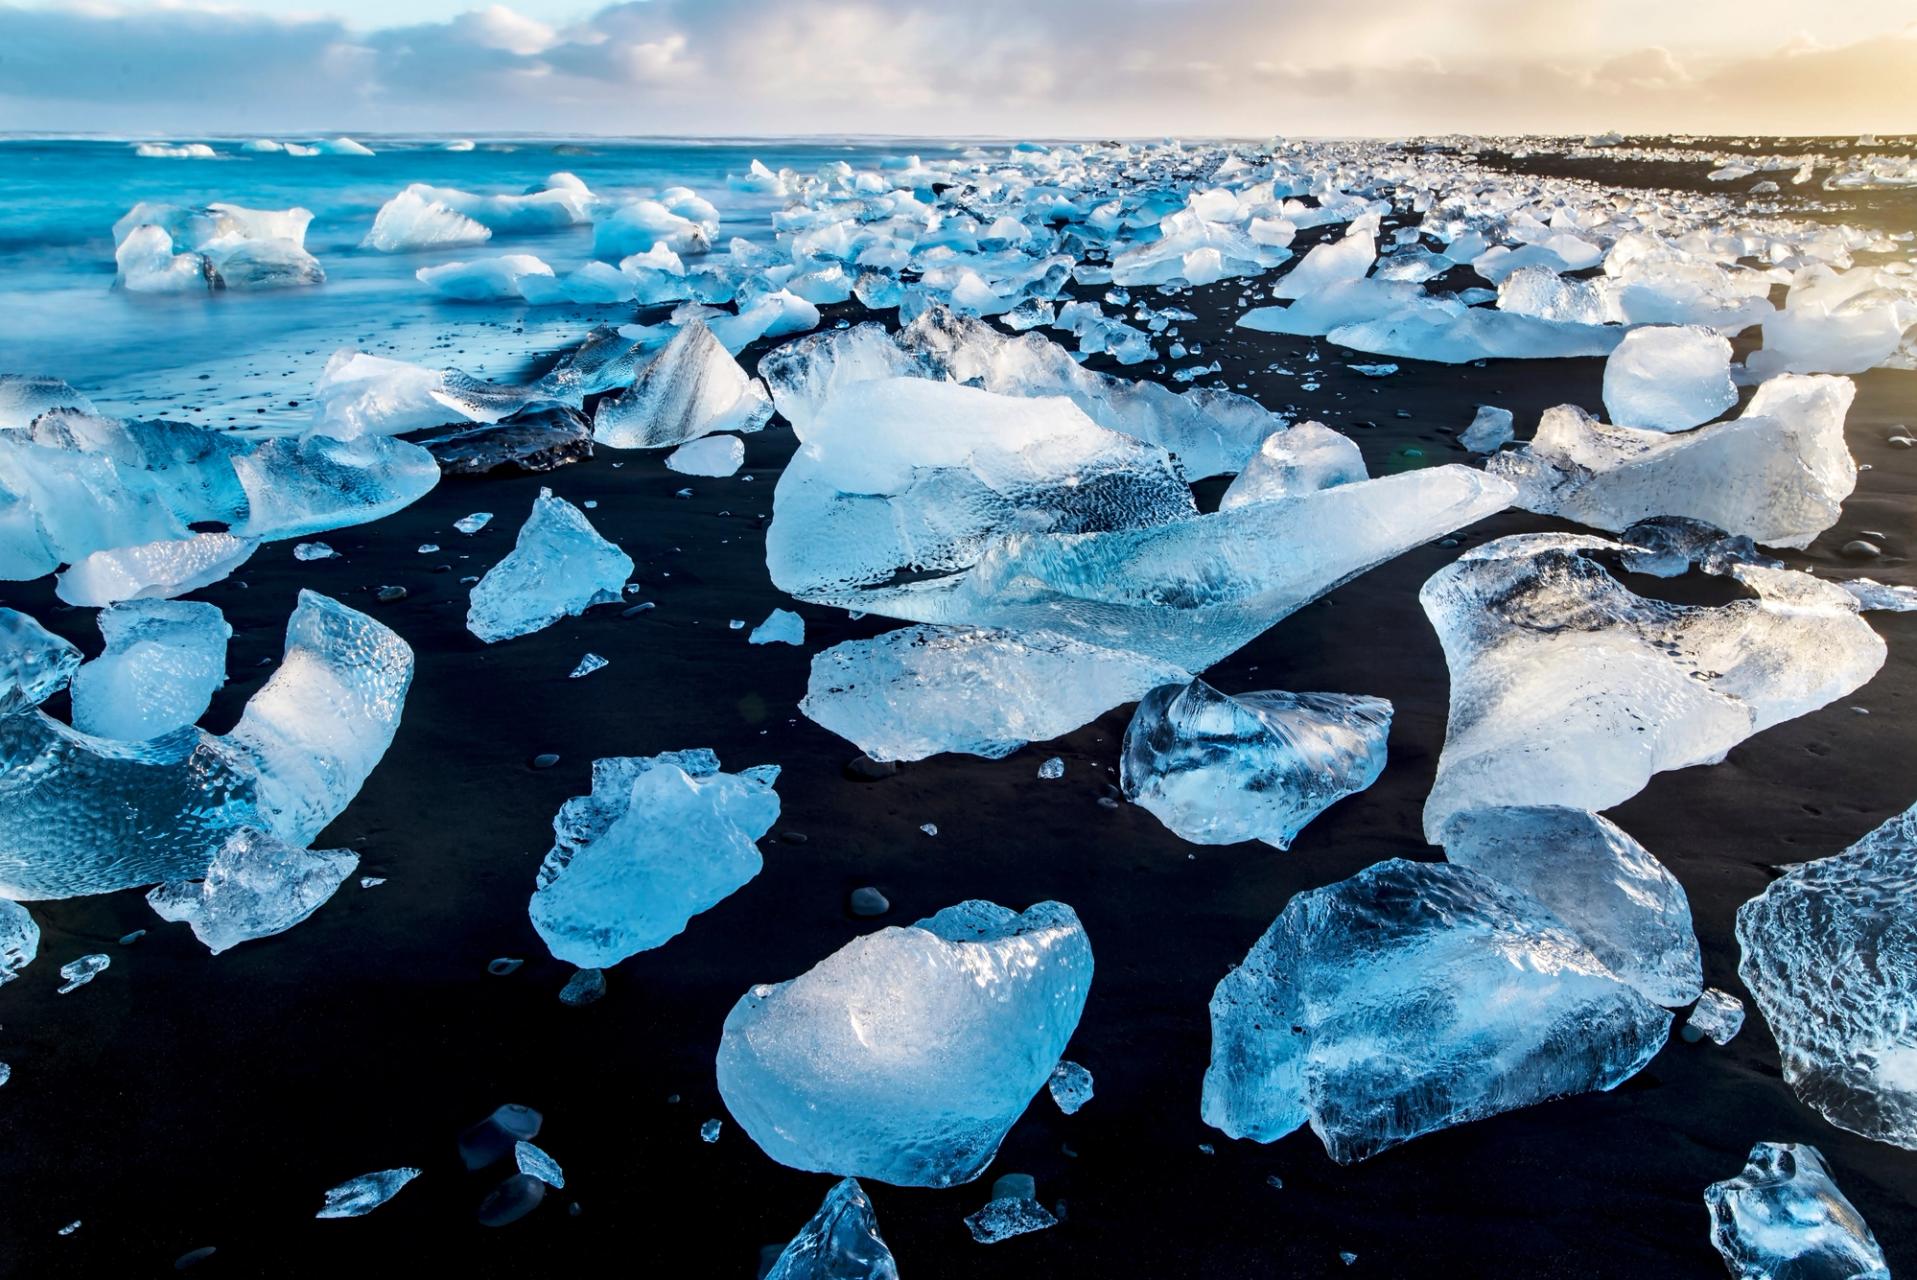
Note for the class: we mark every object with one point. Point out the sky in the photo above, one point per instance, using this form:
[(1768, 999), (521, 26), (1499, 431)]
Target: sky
[(1033, 68)]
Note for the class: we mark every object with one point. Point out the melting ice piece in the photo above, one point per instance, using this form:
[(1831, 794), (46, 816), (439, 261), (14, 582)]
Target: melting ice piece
[(708, 456), (359, 394), (1409, 998), (660, 839), (1667, 546), (538, 1164), (1719, 1015), (1006, 1216), (256, 887), (317, 482), (559, 567), (1300, 459), (24, 397), (587, 665), (1328, 264), (1873, 596), (82, 971), (35, 664), (1830, 957), (781, 626), (305, 551), (153, 570), (473, 523), (907, 1055), (19, 940), (907, 474), (493, 279), (164, 659), (1070, 1086), (1568, 689), (1489, 430), (1784, 1217), (362, 1195), (693, 388), (1669, 377), (915, 692), (841, 1242), (1602, 885), (414, 220), (533, 439), (1778, 473), (1217, 768)]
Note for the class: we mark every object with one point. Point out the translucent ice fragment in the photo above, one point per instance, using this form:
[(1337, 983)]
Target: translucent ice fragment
[(153, 570), (532, 1160), (257, 886), (82, 971), (782, 626), (1300, 459), (362, 1195), (841, 1242), (19, 940), (1490, 429), (708, 456), (35, 664), (1006, 1216), (1669, 377), (559, 567), (473, 523), (1783, 1217), (1071, 1086), (1718, 1015), (692, 388), (164, 659)]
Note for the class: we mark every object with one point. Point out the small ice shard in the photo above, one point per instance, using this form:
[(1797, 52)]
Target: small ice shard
[(257, 886), (371, 882), (538, 1164), (586, 986), (1829, 955), (559, 567), (1012, 1211), (164, 659), (1569, 689), (709, 1131), (1071, 1086), (358, 1196), (918, 691), (474, 522), (1409, 998), (19, 940), (692, 388), (587, 665), (1667, 546), (708, 456), (1783, 1218), (24, 397), (486, 1143), (82, 971), (153, 570), (906, 1055), (1876, 596), (6, 1073), (1488, 431), (782, 626), (1300, 459), (1719, 1015), (660, 839), (841, 1242), (1053, 768), (1778, 473), (313, 551), (35, 664), (1669, 377), (1217, 768), (1605, 887)]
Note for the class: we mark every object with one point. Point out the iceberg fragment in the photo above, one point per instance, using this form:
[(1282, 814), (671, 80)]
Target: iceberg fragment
[(1718, 1015), (692, 388), (559, 567), (716, 456), (164, 659), (1070, 1087), (782, 626), (1669, 377), (1783, 1217), (1489, 431), (256, 886), (35, 664), (19, 940), (362, 1195), (153, 570), (1300, 459), (841, 1242)]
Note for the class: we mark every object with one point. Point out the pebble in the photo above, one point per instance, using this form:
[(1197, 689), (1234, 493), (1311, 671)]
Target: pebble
[(128, 939), (503, 966), (583, 988), (387, 595), (545, 760), (511, 1200), (1859, 549), (1015, 1186), (867, 902), (493, 1138), (866, 769), (793, 837), (193, 1258)]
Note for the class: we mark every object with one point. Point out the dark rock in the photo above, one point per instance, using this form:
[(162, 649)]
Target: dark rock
[(503, 966), (1858, 549), (1015, 1186), (792, 837), (387, 595), (545, 760), (584, 987), (531, 440), (492, 1139), (867, 902), (511, 1200), (866, 769), (193, 1257)]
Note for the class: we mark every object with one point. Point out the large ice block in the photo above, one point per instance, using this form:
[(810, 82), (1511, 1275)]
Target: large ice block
[(1669, 377), (692, 388), (1783, 1218), (558, 567), (164, 659)]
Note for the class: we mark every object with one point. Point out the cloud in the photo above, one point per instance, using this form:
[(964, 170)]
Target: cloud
[(1032, 67)]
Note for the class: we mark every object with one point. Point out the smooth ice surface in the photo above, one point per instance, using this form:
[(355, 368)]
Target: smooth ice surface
[(708, 456), (257, 886), (1778, 473), (1070, 1086), (918, 691), (781, 626), (841, 1242), (660, 839), (1669, 377), (153, 570), (692, 388), (1300, 459), (1329, 263), (906, 1055), (19, 940), (164, 659), (1489, 429), (1008, 1216), (559, 567), (1601, 884), (35, 664), (1409, 998), (362, 1195), (1718, 1014), (1219, 768), (1569, 689), (1783, 1218), (1830, 956)]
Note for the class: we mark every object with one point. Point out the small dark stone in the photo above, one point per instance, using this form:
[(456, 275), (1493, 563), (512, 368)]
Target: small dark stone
[(584, 987), (503, 966), (545, 760), (128, 939), (492, 1139), (1015, 1186), (866, 769), (1858, 549), (1106, 802), (193, 1257), (442, 568), (792, 837), (511, 1200), (387, 595), (867, 902)]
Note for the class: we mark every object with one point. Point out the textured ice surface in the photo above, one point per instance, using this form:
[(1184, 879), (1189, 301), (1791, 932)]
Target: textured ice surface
[(82, 971), (1719, 1015), (1601, 884), (1409, 998), (164, 659), (1219, 768), (19, 940), (708, 456), (1070, 1086), (257, 886), (1783, 1218), (1192, 591), (1830, 956), (692, 388), (153, 570), (1006, 1216), (781, 626), (841, 1242), (1778, 473), (362, 1195), (1569, 689), (532, 1160), (906, 1055), (660, 839), (1669, 377), (1873, 596), (558, 567), (1300, 459), (360, 394), (915, 692), (24, 397), (1490, 429), (414, 220), (1667, 546), (35, 664)]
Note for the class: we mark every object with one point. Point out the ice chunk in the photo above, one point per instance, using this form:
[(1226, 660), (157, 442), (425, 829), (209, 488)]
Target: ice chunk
[(691, 389), (1300, 459), (412, 220), (1830, 957), (1409, 998), (257, 886), (19, 940), (587, 665), (841, 1242), (314, 483), (531, 1160), (1432, 333), (35, 664), (1329, 263), (163, 661), (907, 1055), (362, 1195), (153, 570), (1719, 1015), (1666, 546), (908, 474), (24, 397), (483, 279), (1568, 689), (359, 394), (534, 439), (473, 523), (915, 692), (782, 626), (1669, 377), (559, 567), (82, 971), (1218, 768), (708, 456), (660, 839), (1784, 1218), (1489, 430), (1778, 473), (1602, 885), (1006, 1216), (341, 147), (147, 264), (1071, 1086), (1876, 596)]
